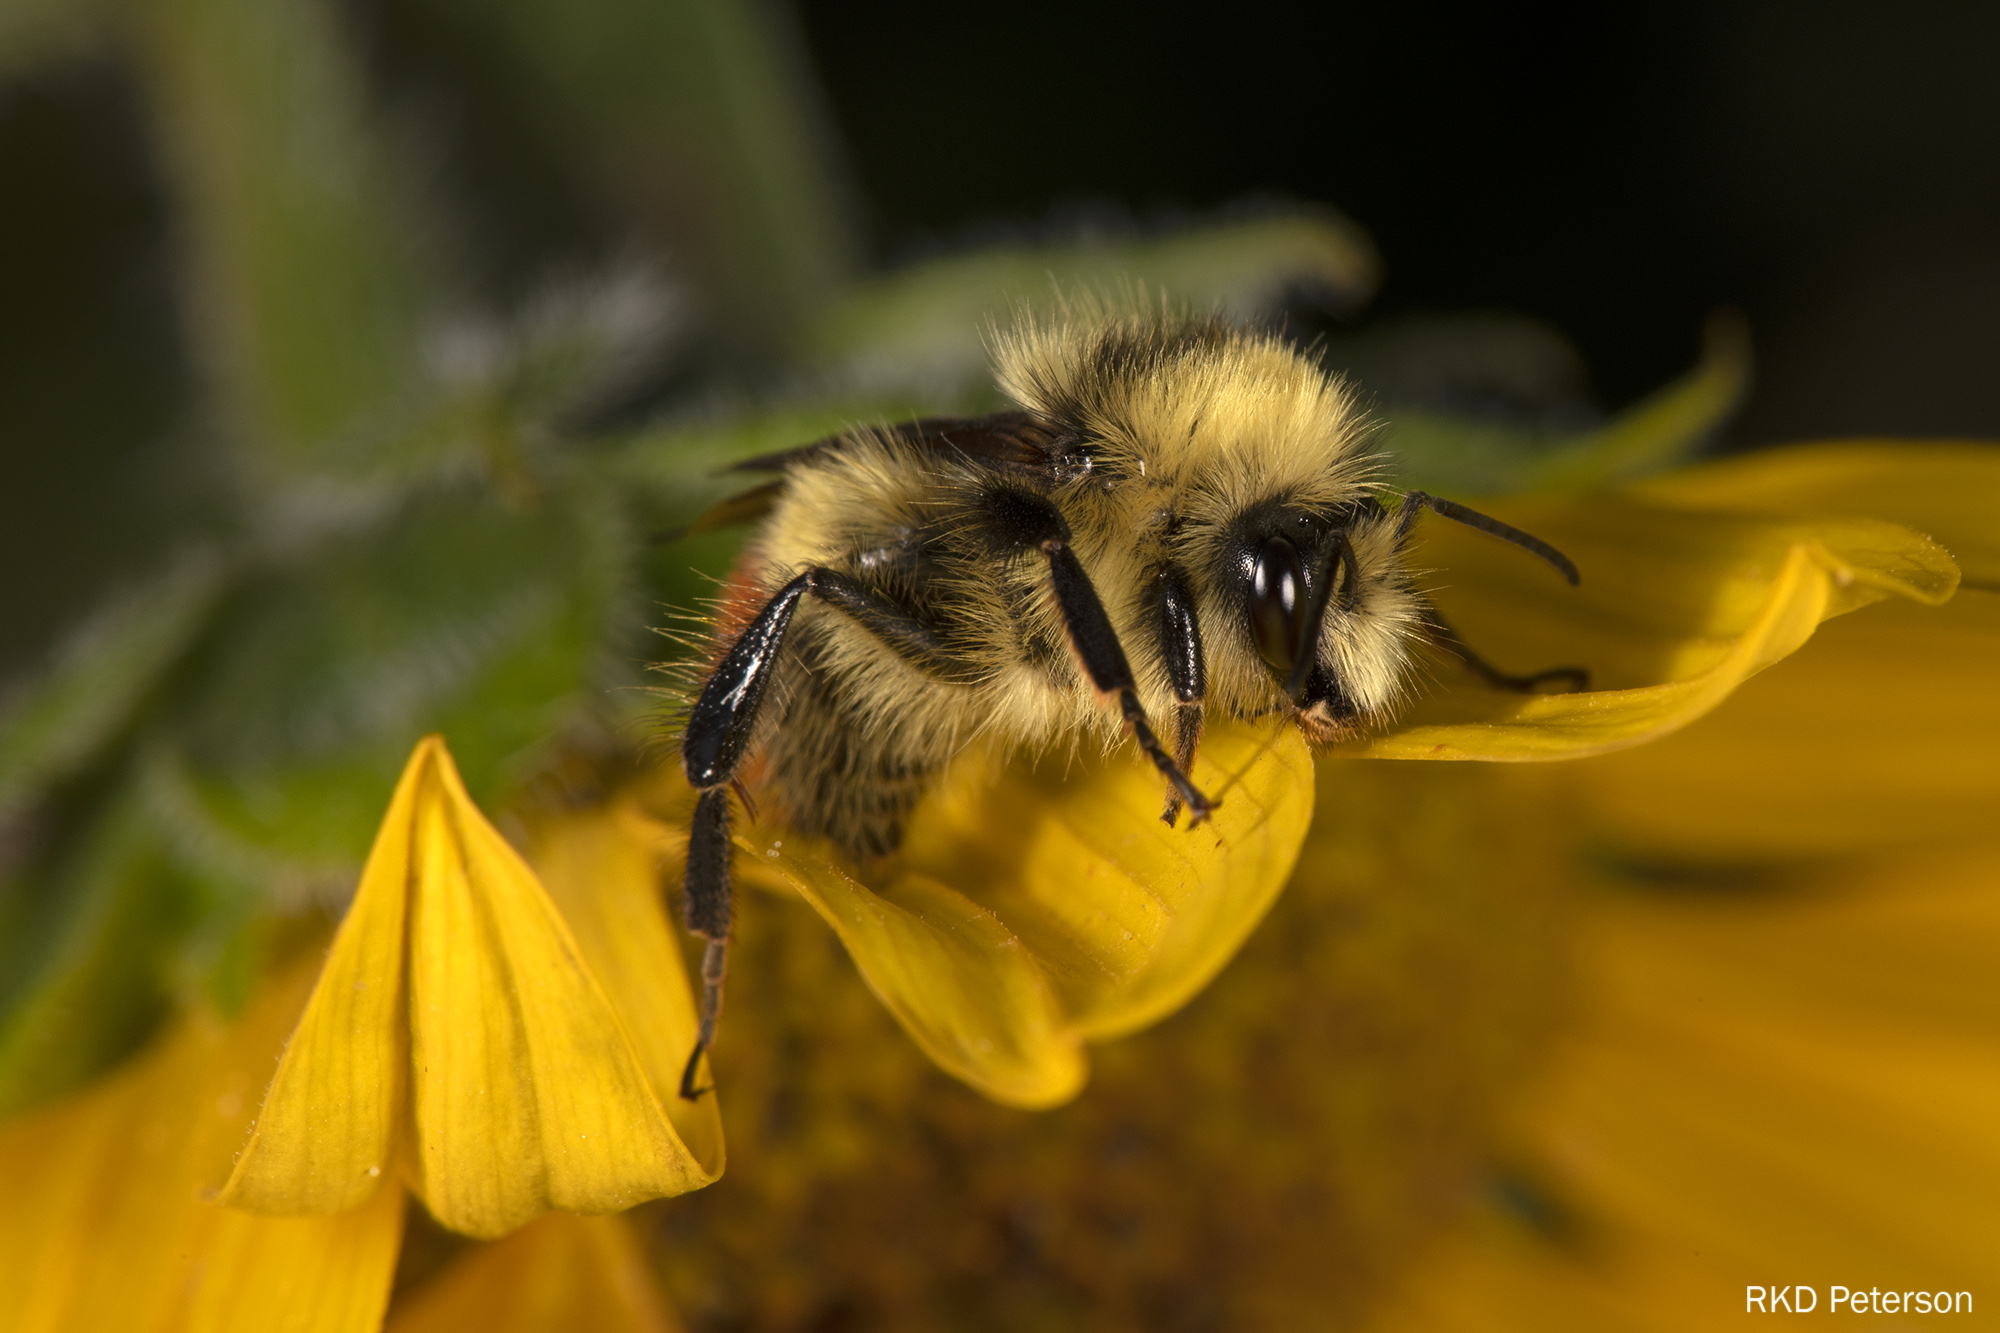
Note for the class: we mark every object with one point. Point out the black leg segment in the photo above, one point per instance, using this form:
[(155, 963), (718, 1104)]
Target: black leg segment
[(705, 906), (1021, 521), (1567, 680), (1180, 649), (723, 718), (719, 730)]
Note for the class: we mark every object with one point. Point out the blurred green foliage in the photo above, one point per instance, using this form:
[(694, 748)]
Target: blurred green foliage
[(435, 517)]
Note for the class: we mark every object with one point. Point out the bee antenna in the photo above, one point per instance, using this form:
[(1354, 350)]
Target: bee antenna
[(1458, 513)]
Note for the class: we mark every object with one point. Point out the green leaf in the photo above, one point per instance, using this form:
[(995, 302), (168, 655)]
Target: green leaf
[(1460, 454), (304, 257), (697, 115), (101, 680), (1666, 428), (460, 615), (85, 974), (39, 32)]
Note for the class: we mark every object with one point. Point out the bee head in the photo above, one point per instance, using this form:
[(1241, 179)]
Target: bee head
[(1321, 600)]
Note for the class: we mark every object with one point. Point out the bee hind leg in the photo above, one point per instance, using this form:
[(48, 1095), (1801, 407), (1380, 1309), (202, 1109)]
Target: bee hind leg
[(707, 908), (720, 728)]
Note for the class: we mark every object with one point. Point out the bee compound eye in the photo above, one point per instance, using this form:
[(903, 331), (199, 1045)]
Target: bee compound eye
[(1278, 604)]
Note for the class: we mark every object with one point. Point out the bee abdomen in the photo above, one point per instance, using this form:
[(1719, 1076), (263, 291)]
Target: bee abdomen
[(848, 765)]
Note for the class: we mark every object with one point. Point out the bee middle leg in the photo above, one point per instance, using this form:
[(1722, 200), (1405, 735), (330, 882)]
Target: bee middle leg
[(1020, 521), (720, 728)]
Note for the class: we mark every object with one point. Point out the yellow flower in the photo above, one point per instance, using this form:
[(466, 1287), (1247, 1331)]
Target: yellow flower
[(1782, 1073), (1453, 1000), (1670, 1096)]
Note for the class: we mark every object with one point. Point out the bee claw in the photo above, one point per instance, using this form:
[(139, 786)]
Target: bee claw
[(689, 1092)]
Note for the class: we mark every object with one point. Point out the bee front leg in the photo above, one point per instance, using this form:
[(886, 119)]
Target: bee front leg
[(1103, 659), (1020, 522), (1180, 648)]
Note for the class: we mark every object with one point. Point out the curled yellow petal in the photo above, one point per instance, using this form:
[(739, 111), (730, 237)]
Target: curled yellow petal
[(1881, 732), (1043, 905), (559, 1272), (110, 1221), (958, 980), (1677, 609), (1949, 491), (458, 1034)]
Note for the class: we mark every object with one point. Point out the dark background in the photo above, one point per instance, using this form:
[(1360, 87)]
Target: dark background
[(1830, 168)]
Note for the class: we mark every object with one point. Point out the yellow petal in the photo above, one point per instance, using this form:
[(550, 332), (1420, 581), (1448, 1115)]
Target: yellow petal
[(1677, 609), (1128, 918), (602, 869), (559, 1273), (109, 1221), (1046, 904), (1882, 731), (520, 1083), (1948, 491), (299, 1274), (526, 1092), (961, 984), (1770, 1090), (326, 1137)]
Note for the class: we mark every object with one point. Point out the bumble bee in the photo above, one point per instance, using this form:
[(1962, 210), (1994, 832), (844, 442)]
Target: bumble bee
[(1177, 516)]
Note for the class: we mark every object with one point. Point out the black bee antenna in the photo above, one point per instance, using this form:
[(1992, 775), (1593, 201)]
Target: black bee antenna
[(1413, 501)]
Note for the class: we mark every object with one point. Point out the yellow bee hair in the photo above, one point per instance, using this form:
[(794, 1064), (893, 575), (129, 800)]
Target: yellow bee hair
[(1164, 434)]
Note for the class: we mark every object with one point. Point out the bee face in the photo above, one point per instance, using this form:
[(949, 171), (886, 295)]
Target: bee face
[(1320, 606)]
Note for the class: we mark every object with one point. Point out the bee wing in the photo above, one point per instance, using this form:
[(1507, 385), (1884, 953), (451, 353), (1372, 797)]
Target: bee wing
[(743, 507), (1004, 441)]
